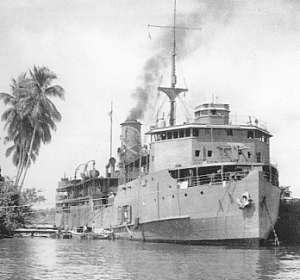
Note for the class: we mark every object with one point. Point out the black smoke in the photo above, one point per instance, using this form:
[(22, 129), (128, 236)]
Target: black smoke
[(187, 41)]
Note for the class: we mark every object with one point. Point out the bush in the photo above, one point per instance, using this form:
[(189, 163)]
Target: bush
[(16, 207)]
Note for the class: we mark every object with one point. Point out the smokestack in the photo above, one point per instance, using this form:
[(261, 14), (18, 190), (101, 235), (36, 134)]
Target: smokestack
[(131, 140)]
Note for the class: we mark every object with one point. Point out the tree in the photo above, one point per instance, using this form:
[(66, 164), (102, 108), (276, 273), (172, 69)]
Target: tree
[(43, 113), (16, 207), (30, 117), (17, 124)]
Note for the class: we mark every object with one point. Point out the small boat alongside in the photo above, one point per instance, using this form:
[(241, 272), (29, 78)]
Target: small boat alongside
[(88, 233), (36, 232)]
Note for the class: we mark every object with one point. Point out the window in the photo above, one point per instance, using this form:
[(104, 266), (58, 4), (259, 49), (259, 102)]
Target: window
[(187, 132), (169, 134), (175, 134), (181, 133), (258, 134), (249, 154), (265, 139), (195, 132), (207, 130), (197, 153), (209, 153), (229, 132), (163, 136), (213, 112), (258, 157), (250, 134)]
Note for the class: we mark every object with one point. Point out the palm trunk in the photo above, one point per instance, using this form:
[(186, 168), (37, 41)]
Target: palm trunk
[(28, 157), (20, 171), (19, 168)]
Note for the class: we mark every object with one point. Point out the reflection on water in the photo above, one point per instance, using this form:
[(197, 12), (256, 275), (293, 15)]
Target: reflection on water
[(40, 258)]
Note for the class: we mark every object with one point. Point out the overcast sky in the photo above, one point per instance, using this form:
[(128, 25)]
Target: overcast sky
[(247, 53)]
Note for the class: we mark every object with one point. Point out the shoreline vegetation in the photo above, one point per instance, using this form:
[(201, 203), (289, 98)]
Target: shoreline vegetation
[(29, 119)]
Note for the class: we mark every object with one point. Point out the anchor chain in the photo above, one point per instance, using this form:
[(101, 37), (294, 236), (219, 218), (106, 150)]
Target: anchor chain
[(276, 240)]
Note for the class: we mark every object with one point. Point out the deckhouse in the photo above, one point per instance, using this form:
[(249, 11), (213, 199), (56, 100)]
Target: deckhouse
[(211, 143), (212, 137)]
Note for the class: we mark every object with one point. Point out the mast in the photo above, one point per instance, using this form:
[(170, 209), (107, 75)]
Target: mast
[(173, 74), (172, 92), (111, 122)]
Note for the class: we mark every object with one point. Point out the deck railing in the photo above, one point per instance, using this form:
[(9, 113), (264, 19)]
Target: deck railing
[(213, 178), (219, 178), (236, 119)]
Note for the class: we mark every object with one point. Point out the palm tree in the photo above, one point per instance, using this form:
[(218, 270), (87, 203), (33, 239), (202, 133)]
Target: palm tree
[(17, 125), (42, 111), (30, 117)]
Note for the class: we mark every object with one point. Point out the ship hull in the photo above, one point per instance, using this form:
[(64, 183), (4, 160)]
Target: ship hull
[(214, 217), (206, 214)]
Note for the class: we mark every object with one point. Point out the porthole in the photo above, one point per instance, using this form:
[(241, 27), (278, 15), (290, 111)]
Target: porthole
[(170, 187), (163, 198), (173, 196), (185, 194), (201, 192)]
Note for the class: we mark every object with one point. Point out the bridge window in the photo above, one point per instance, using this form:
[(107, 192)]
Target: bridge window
[(195, 132), (258, 157), (229, 132), (175, 134), (250, 134), (181, 133), (209, 153), (187, 132), (213, 112), (265, 139), (207, 131), (163, 136), (169, 134)]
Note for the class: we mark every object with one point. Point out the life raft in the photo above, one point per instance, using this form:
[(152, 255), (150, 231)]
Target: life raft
[(245, 201)]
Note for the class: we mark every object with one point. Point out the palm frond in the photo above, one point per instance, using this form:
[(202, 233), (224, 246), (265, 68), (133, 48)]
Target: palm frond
[(10, 150), (16, 158), (7, 98), (54, 113), (55, 91), (7, 114)]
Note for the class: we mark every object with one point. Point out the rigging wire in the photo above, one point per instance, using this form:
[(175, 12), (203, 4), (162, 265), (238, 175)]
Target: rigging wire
[(187, 113)]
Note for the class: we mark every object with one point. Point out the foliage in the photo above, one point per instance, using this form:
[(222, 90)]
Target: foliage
[(30, 116), (15, 206)]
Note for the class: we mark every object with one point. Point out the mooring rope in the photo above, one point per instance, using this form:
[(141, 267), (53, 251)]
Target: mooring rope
[(129, 231), (276, 240)]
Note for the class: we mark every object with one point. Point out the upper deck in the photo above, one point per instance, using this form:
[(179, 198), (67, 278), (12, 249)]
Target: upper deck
[(211, 137)]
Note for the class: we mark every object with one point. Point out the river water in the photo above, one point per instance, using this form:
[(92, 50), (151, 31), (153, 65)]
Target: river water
[(38, 258)]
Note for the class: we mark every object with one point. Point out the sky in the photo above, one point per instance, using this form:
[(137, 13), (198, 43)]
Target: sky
[(246, 53)]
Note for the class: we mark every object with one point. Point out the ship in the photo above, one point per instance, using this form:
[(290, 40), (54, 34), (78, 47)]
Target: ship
[(208, 180), (287, 226)]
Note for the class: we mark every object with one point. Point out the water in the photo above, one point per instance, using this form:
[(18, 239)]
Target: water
[(40, 258)]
